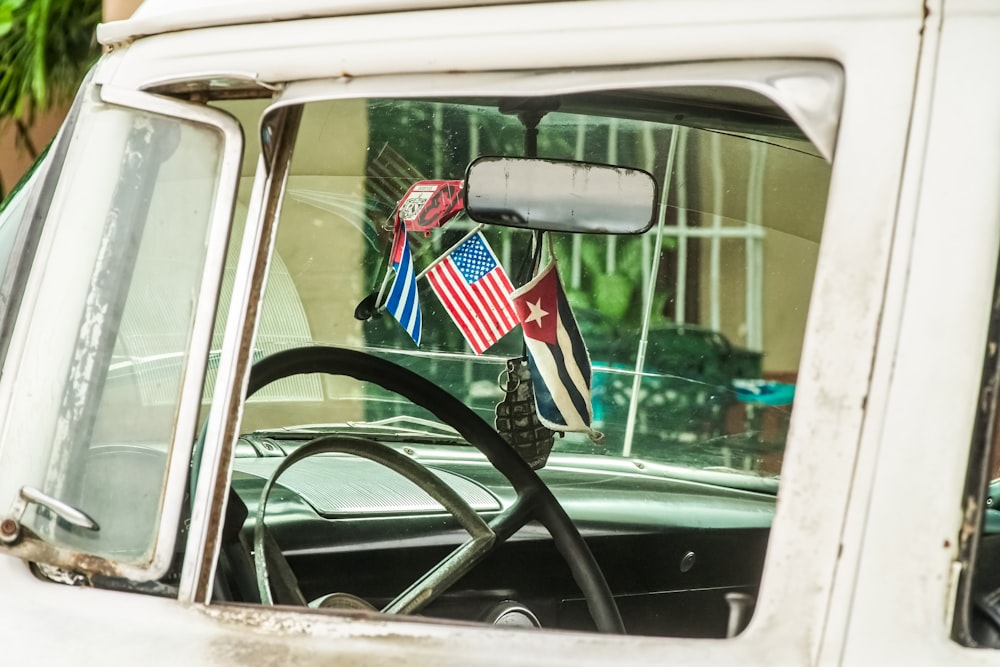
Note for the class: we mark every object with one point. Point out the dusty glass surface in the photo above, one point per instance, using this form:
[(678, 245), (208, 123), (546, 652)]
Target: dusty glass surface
[(693, 329), (667, 371), (99, 376)]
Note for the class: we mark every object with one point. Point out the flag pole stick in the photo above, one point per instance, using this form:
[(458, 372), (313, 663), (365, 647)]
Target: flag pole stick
[(380, 299), (381, 292), (385, 282)]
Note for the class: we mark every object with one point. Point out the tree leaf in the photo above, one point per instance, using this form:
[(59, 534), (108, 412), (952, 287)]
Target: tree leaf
[(46, 48), (6, 18)]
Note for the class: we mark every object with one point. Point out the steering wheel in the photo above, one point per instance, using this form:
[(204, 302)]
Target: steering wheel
[(534, 500)]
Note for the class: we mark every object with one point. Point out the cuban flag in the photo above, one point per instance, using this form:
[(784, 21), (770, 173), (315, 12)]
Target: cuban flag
[(475, 291), (402, 301), (560, 363)]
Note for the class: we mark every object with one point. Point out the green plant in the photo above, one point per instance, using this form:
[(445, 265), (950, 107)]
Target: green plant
[(46, 47)]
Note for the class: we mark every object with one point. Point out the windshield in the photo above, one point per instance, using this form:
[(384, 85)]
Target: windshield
[(692, 329)]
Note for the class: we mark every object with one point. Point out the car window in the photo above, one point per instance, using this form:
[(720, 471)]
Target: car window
[(702, 321), (691, 332), (101, 366)]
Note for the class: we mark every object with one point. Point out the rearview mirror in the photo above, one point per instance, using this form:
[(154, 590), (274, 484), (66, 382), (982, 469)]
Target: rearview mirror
[(560, 196)]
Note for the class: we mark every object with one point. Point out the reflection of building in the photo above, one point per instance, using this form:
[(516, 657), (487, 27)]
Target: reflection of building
[(730, 218), (762, 209)]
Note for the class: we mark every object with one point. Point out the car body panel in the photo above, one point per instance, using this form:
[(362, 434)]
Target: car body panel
[(862, 562)]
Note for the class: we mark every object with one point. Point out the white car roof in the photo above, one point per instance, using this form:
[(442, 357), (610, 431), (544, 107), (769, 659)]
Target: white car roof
[(159, 16)]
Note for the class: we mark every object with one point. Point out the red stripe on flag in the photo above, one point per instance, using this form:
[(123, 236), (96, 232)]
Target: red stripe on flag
[(447, 282), (481, 307), (498, 301), (497, 308), (481, 311), (505, 288)]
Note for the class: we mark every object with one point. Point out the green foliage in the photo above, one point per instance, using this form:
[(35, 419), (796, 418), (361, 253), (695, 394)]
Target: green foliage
[(46, 46), (616, 297), (613, 294)]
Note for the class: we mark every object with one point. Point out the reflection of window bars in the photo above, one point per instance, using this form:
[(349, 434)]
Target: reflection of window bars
[(751, 231)]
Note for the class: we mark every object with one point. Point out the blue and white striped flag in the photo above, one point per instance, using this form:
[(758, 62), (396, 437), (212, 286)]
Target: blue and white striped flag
[(402, 301), (560, 364)]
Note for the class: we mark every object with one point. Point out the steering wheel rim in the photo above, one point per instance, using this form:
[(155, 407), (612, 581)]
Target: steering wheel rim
[(535, 499)]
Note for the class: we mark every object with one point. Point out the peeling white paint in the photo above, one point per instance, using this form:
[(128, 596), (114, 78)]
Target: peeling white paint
[(854, 575)]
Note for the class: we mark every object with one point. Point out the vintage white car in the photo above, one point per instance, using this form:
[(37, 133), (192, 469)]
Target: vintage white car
[(475, 332)]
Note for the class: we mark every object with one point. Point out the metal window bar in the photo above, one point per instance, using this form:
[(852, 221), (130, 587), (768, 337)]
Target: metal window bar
[(680, 232), (612, 158), (648, 296), (755, 247), (715, 249)]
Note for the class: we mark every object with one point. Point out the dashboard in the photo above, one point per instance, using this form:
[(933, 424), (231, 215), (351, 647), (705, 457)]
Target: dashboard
[(671, 549)]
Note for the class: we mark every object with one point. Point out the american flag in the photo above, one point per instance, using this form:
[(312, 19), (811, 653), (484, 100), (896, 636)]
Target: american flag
[(475, 291)]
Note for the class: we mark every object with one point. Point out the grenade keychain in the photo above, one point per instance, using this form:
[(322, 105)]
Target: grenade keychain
[(516, 417)]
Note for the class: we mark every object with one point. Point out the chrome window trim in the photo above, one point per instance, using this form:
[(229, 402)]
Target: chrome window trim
[(214, 469)]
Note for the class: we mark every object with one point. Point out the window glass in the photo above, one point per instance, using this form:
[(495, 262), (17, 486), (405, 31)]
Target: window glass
[(693, 332), (99, 376), (719, 296)]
